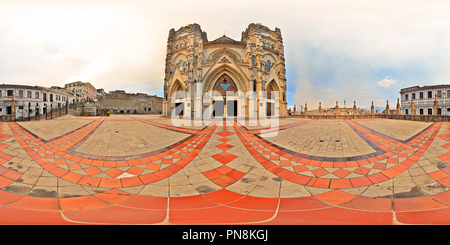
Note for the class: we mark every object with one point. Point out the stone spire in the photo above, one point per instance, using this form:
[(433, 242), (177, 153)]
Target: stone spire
[(399, 109), (387, 107), (306, 108), (413, 107), (354, 107), (371, 109), (320, 108)]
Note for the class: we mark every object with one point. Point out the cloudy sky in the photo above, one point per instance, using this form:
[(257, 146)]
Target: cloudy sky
[(359, 51)]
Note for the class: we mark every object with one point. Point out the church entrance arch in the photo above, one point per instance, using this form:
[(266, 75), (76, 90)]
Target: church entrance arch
[(271, 105), (223, 105), (178, 98)]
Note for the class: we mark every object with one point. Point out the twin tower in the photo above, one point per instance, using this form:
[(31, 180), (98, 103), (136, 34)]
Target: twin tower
[(219, 77)]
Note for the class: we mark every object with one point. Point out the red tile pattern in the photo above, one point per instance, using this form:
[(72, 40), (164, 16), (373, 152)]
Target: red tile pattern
[(224, 175), (116, 206), (263, 152), (162, 163)]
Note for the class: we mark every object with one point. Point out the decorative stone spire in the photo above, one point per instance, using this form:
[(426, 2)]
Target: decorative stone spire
[(354, 107), (306, 108), (371, 109), (387, 107), (337, 108), (399, 109), (413, 107), (320, 108)]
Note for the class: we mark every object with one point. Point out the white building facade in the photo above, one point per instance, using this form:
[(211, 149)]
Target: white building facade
[(428, 100), (31, 101)]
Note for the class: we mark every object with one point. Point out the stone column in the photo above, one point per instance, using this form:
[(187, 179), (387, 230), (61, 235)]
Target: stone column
[(435, 106)]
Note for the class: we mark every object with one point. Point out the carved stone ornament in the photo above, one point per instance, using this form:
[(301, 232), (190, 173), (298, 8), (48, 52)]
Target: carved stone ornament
[(224, 60)]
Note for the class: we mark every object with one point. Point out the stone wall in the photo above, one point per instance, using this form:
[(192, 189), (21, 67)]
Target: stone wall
[(131, 103)]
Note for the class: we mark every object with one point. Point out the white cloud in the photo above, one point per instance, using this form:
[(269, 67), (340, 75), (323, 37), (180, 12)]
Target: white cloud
[(328, 90), (386, 82)]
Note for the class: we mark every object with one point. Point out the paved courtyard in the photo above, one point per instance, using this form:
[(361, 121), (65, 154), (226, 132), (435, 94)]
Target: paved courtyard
[(141, 169)]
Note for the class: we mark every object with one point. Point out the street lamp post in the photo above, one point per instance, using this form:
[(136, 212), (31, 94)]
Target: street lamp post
[(95, 107)]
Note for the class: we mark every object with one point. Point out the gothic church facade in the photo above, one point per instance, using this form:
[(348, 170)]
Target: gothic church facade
[(219, 77)]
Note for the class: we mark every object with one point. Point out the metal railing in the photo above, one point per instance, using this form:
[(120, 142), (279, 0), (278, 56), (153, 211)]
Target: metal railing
[(47, 115)]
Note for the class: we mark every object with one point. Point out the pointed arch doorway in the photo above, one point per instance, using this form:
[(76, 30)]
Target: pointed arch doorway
[(223, 105), (272, 109)]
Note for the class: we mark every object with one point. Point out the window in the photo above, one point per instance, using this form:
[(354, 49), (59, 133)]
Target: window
[(21, 93), (413, 96), (421, 95), (51, 97), (44, 97), (254, 86), (272, 46), (439, 94), (9, 92), (448, 93), (406, 96), (430, 94), (421, 111), (430, 111), (406, 111), (1, 93), (268, 65), (29, 94), (36, 95)]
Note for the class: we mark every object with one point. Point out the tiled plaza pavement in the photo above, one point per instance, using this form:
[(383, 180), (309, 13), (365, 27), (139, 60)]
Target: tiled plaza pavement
[(140, 169)]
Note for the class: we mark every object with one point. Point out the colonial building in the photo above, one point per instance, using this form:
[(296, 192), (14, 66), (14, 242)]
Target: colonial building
[(218, 77), (120, 102), (24, 101), (426, 100), (86, 91)]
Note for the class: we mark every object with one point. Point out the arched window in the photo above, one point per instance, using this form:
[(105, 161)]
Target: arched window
[(268, 65), (181, 45), (272, 46), (267, 45), (180, 64)]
